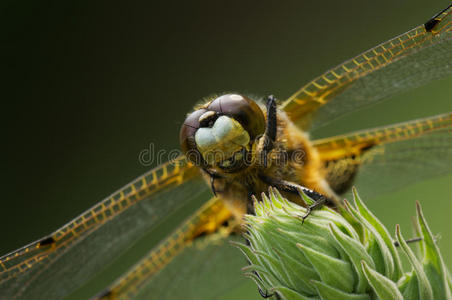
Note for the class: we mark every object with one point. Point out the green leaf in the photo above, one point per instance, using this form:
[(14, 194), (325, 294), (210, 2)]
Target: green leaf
[(356, 253), (315, 242), (299, 275), (266, 277), (328, 292), (383, 287), (408, 286), (332, 271), (252, 258), (274, 266), (390, 256), (288, 294), (289, 247), (425, 290), (432, 261)]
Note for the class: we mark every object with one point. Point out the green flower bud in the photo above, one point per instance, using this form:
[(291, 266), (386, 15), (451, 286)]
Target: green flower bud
[(337, 256)]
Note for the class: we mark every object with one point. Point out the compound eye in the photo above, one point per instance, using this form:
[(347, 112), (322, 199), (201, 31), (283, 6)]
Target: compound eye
[(243, 110), (187, 137)]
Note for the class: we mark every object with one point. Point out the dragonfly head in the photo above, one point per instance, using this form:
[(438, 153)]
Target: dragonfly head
[(221, 132)]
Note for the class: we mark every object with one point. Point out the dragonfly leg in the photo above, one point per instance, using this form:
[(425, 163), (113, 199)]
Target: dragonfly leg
[(317, 204), (266, 294), (213, 175), (414, 240), (408, 241), (270, 130), (291, 187)]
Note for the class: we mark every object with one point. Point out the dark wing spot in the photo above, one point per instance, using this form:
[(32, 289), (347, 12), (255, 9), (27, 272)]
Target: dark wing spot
[(430, 24), (46, 241)]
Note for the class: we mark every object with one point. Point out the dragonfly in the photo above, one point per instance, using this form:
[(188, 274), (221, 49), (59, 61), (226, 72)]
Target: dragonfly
[(384, 157)]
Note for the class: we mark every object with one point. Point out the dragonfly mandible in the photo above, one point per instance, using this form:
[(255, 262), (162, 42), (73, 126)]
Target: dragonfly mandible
[(96, 237)]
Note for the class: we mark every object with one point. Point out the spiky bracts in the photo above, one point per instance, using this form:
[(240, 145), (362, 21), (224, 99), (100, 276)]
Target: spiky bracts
[(338, 256)]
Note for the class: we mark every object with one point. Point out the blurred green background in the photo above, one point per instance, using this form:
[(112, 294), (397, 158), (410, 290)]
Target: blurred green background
[(89, 84)]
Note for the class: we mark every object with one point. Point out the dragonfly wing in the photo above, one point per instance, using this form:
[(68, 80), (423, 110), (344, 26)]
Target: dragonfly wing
[(205, 270), (414, 58), (383, 159), (188, 259), (58, 264), (399, 164)]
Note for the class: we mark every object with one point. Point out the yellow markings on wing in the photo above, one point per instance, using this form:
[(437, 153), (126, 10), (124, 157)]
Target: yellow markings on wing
[(324, 88), (355, 143), (47, 249), (208, 219)]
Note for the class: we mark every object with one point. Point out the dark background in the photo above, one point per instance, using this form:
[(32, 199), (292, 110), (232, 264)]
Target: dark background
[(88, 84)]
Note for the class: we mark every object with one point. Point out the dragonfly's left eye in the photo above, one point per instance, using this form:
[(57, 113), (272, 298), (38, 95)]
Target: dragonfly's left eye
[(187, 137), (226, 126), (243, 110)]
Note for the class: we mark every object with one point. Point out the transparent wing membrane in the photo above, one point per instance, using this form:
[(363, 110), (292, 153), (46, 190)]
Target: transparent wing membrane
[(54, 266), (205, 270), (395, 165), (356, 143), (382, 159), (414, 58), (207, 220)]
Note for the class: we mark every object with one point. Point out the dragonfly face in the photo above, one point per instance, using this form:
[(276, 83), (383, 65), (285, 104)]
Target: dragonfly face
[(249, 137), (220, 133)]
